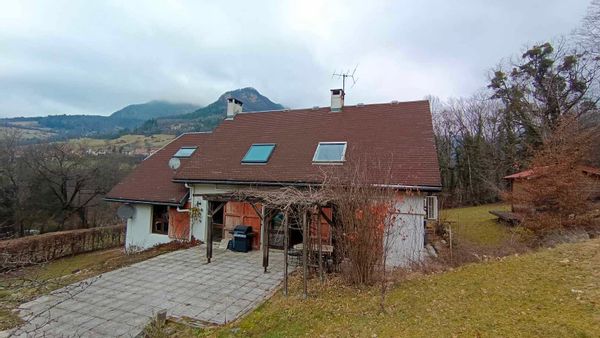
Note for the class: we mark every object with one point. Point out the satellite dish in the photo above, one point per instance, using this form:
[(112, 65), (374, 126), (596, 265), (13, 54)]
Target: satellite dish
[(126, 211), (174, 163)]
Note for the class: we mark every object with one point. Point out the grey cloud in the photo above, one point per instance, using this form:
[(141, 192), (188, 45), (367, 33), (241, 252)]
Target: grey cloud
[(87, 57)]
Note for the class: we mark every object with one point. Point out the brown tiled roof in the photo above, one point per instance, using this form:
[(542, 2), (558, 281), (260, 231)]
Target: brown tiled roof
[(151, 180), (531, 173), (398, 136)]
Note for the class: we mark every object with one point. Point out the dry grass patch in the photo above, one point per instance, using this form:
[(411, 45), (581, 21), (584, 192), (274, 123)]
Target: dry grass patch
[(552, 292)]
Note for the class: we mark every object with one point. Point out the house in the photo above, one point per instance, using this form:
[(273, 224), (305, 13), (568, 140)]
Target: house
[(273, 149), (518, 180)]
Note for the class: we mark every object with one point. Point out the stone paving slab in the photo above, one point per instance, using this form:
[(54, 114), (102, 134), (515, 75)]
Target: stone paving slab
[(121, 303)]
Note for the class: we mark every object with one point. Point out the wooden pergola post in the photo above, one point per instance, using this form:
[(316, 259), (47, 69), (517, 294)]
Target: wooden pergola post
[(319, 239), (265, 220), (305, 252), (286, 243), (209, 234)]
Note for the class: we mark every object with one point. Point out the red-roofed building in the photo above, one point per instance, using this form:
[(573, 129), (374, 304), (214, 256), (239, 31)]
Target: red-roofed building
[(281, 148), (591, 188)]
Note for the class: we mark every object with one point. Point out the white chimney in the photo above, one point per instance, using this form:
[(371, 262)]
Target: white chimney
[(337, 99), (234, 106)]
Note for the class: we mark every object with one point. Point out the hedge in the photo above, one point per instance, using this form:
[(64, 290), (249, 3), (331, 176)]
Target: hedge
[(29, 250)]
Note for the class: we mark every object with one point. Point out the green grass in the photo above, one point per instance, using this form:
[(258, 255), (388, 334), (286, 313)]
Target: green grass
[(31, 282), (28, 134), (477, 225), (130, 140), (549, 293)]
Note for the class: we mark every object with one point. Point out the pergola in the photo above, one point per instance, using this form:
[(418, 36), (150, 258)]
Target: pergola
[(286, 200)]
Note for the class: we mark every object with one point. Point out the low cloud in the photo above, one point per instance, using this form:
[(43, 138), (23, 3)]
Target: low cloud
[(94, 58)]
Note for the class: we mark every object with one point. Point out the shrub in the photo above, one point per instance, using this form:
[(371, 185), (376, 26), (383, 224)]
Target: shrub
[(46, 247)]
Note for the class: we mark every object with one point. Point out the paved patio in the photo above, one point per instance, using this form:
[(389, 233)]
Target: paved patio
[(122, 302)]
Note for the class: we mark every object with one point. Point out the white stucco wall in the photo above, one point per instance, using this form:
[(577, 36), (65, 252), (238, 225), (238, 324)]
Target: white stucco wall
[(199, 226), (405, 244), (406, 240), (139, 234)]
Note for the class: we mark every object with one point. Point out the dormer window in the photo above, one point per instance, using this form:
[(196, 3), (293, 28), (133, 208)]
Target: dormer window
[(330, 152), (259, 153), (184, 152)]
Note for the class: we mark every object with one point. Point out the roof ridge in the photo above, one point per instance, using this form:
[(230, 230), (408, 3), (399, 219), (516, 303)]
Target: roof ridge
[(287, 110)]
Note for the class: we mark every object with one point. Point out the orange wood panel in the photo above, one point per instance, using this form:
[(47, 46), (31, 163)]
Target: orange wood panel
[(179, 224), (237, 213), (325, 227)]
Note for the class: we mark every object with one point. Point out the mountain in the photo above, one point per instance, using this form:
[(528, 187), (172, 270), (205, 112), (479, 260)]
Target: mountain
[(207, 118), (146, 118), (153, 109), (252, 99)]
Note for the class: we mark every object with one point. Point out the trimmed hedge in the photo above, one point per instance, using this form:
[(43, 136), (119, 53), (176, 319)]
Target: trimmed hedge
[(29, 250)]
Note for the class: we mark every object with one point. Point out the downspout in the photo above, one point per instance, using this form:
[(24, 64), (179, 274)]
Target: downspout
[(185, 210), (188, 210)]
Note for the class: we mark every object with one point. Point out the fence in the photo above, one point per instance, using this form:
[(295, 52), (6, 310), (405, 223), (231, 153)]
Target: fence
[(46, 247)]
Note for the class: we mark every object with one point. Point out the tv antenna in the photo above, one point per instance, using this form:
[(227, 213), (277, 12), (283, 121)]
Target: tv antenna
[(344, 76)]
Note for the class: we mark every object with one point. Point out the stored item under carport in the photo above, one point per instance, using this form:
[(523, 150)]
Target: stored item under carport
[(242, 238)]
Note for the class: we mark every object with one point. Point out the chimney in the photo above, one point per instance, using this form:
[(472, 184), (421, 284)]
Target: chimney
[(234, 106), (337, 100)]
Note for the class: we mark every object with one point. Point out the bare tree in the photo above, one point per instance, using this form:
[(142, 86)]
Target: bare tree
[(546, 83), (588, 35), (13, 182), (69, 176), (557, 195), (365, 223), (474, 148)]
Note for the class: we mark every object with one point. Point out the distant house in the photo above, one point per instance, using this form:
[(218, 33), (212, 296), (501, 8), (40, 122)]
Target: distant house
[(274, 149), (517, 181)]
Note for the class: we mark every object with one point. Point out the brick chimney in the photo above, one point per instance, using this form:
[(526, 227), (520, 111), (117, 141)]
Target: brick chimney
[(234, 106), (337, 100)]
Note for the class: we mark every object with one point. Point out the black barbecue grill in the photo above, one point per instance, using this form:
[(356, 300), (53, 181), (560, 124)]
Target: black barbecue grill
[(242, 238)]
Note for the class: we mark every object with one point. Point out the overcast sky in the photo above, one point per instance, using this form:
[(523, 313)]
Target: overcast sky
[(84, 57)]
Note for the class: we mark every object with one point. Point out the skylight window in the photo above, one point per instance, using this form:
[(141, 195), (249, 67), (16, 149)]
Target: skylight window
[(259, 153), (185, 151), (330, 152)]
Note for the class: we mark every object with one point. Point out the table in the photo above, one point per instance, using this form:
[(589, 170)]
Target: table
[(325, 248)]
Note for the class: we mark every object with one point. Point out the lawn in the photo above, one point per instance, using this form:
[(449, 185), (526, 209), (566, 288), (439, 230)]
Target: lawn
[(31, 282), (477, 225), (550, 292)]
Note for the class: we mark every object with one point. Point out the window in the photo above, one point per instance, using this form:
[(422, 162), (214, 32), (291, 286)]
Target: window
[(160, 219), (330, 152), (185, 151), (431, 207), (259, 153)]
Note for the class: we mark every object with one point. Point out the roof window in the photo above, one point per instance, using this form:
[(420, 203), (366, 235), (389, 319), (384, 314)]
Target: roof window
[(185, 151), (330, 152), (259, 153)]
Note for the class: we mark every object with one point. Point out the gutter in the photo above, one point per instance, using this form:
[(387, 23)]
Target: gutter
[(304, 184), (124, 200)]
